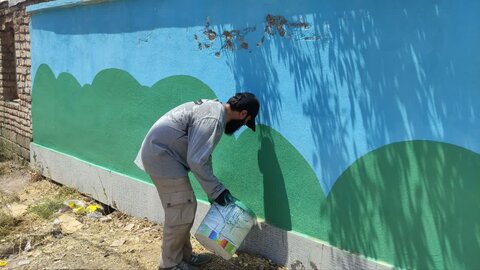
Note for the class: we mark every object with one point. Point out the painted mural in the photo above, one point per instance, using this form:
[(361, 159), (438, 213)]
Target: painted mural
[(367, 134)]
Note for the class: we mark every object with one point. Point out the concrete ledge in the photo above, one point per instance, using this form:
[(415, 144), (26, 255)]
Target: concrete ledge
[(141, 200), (60, 4)]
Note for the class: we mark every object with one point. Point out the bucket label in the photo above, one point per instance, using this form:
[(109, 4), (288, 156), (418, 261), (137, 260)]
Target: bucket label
[(226, 226), (217, 238)]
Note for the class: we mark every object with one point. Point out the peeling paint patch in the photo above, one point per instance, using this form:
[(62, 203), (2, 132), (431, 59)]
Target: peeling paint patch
[(235, 39), (296, 30), (275, 24), (228, 40), (211, 35)]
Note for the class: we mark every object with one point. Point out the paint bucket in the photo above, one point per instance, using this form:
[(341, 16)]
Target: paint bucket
[(224, 228)]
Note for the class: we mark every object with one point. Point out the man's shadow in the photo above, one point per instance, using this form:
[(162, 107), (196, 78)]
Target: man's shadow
[(276, 206), (271, 239)]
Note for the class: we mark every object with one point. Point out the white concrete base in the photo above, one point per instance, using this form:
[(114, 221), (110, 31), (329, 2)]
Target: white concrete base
[(141, 200)]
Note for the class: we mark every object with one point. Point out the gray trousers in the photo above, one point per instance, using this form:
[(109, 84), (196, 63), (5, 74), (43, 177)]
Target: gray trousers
[(180, 205)]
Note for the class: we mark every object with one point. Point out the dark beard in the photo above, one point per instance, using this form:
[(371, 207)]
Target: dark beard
[(233, 125)]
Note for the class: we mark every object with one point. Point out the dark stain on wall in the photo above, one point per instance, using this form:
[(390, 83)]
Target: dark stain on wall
[(198, 42), (235, 39), (209, 33), (275, 24)]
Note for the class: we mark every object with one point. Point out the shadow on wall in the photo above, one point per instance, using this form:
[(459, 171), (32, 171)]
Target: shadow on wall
[(374, 73), (361, 74), (380, 73), (274, 200), (276, 204)]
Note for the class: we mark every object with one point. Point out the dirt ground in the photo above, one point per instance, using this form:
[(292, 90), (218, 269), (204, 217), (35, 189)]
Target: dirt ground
[(38, 231)]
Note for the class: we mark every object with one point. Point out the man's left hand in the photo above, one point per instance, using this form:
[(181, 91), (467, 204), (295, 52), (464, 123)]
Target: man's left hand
[(225, 198)]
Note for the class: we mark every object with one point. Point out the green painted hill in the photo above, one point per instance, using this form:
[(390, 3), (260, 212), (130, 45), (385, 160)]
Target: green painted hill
[(411, 204), (105, 123)]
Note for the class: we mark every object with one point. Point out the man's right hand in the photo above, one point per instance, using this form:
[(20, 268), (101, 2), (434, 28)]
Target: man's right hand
[(225, 198)]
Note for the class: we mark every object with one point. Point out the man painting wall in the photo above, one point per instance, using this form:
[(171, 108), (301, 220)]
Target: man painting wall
[(180, 141)]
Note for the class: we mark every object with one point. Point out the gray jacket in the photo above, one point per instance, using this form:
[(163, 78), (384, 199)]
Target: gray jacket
[(183, 139)]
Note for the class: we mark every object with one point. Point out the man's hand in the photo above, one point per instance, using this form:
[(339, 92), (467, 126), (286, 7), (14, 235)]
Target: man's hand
[(225, 198)]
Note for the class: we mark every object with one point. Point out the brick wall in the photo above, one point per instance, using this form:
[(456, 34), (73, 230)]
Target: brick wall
[(15, 80)]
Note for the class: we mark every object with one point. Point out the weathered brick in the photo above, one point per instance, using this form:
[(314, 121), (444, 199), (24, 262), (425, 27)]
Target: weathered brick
[(15, 76), (18, 138), (24, 153), (11, 136), (23, 141)]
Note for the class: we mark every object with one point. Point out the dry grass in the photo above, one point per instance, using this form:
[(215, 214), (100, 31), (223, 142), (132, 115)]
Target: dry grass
[(4, 153), (35, 176), (47, 208), (51, 204), (7, 198), (7, 222), (6, 219), (3, 166), (67, 193)]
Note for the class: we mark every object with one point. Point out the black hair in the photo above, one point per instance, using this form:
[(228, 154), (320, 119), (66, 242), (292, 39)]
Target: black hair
[(234, 102), (244, 101)]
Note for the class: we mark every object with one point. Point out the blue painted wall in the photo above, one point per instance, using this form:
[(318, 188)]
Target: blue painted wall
[(364, 73), (340, 80)]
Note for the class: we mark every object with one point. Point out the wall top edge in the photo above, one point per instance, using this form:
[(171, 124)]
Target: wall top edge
[(32, 9)]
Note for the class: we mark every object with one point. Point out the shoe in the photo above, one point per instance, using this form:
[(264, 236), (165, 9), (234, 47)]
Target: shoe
[(199, 259), (181, 266)]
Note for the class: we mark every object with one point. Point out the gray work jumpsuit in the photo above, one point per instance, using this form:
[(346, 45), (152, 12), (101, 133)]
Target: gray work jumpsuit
[(180, 141)]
